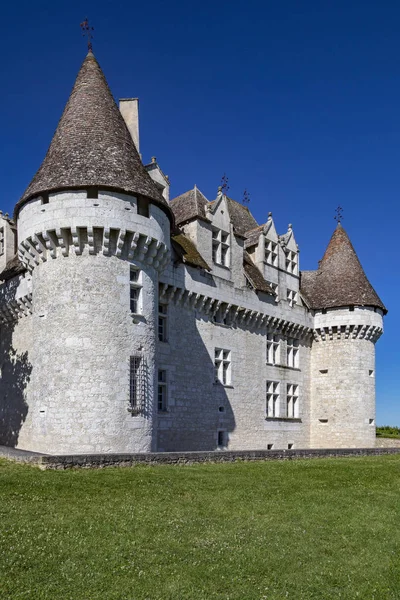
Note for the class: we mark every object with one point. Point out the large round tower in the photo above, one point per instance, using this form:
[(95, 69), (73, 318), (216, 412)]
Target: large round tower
[(347, 323), (94, 231)]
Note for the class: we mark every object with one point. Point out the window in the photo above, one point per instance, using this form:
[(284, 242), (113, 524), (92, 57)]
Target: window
[(162, 390), (162, 322), (136, 290), (220, 247), (222, 316), (136, 392), (291, 296), (1, 241), (274, 287), (273, 349), (271, 253), (221, 439), (272, 399), (291, 261), (143, 207), (292, 400), (222, 362), (292, 352)]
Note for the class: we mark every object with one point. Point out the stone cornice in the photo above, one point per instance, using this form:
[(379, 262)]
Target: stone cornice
[(239, 315), (130, 245)]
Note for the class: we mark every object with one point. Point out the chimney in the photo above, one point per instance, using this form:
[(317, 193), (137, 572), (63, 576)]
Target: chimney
[(129, 108)]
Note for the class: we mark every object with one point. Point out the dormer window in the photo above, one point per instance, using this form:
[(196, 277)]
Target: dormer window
[(291, 261), (271, 253), (220, 247)]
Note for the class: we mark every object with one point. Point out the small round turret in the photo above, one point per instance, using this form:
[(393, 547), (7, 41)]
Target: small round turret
[(348, 320)]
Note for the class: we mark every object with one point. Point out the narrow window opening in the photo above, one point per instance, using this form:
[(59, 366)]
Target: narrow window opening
[(45, 199), (92, 193), (135, 291), (136, 385), (323, 371), (1, 241), (290, 446), (221, 439), (270, 446), (162, 322), (143, 207), (351, 308), (162, 390), (372, 421), (371, 373)]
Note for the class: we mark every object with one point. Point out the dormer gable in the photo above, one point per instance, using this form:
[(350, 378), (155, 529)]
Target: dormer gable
[(290, 250)]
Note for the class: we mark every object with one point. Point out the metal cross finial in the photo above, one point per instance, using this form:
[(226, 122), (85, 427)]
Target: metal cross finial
[(339, 214), (87, 30), (246, 198), (224, 184)]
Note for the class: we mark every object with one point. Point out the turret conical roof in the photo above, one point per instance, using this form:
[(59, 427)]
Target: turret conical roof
[(340, 279), (92, 145)]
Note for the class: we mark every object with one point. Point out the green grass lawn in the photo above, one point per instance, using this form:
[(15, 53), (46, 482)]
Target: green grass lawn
[(302, 529)]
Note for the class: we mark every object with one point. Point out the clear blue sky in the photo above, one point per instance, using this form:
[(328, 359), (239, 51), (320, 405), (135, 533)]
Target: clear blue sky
[(296, 101)]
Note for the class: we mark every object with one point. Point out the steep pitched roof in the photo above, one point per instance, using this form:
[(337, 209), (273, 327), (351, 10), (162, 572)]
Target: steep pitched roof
[(241, 218), (13, 267), (188, 252), (188, 206), (340, 279), (92, 145), (254, 276), (253, 236)]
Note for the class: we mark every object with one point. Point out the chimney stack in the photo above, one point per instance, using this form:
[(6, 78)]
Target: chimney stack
[(129, 108)]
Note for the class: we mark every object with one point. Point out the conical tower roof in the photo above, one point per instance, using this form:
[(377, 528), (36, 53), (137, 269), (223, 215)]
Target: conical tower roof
[(92, 145), (340, 279)]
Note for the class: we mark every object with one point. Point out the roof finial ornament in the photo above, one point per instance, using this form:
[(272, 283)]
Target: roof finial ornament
[(339, 214), (246, 198), (224, 184), (87, 30)]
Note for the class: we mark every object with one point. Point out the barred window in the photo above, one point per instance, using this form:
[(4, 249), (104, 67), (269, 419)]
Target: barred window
[(137, 385), (222, 362), (273, 398), (273, 349), (271, 253), (135, 291), (162, 322), (162, 390), (292, 399), (292, 350)]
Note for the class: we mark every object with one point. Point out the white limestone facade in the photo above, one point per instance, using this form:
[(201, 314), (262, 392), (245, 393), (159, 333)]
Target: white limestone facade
[(129, 323)]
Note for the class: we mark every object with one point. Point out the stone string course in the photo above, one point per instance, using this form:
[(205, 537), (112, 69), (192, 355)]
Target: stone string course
[(98, 461)]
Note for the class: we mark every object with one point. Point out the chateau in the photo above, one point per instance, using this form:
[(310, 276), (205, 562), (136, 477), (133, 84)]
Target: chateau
[(132, 323)]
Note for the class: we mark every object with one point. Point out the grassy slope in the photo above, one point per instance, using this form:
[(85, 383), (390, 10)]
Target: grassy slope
[(306, 529)]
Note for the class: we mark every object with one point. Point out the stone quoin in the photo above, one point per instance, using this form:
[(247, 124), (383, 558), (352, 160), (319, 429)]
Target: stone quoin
[(131, 323)]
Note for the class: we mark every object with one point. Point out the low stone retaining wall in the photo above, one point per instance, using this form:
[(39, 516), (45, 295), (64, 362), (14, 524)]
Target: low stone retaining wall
[(96, 461)]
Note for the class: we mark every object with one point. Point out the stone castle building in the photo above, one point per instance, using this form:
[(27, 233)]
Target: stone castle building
[(132, 323)]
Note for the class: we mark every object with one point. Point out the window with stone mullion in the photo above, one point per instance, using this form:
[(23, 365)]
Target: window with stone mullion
[(220, 247), (292, 400), (271, 252), (292, 353), (272, 399), (273, 349)]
